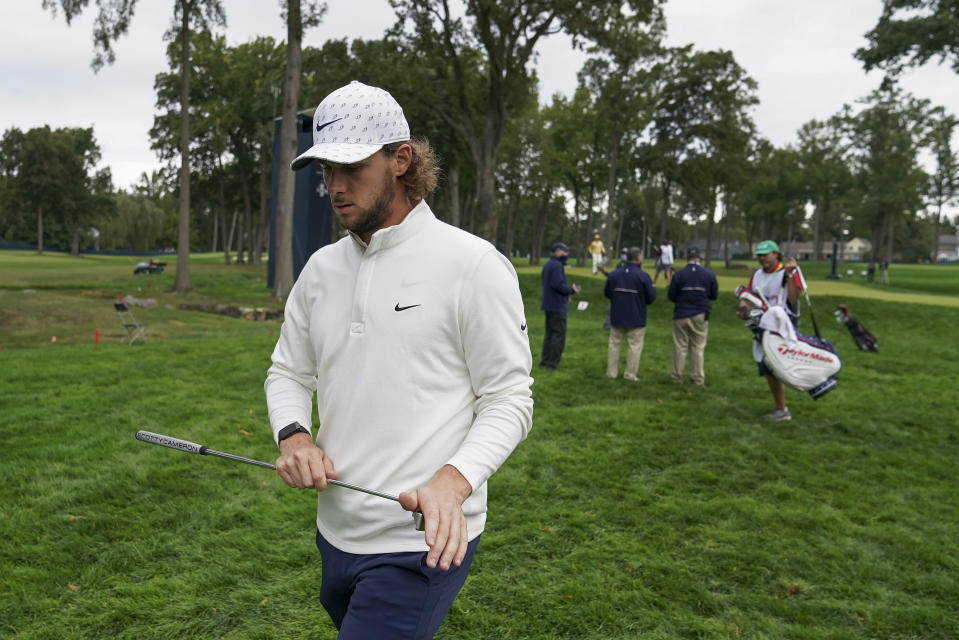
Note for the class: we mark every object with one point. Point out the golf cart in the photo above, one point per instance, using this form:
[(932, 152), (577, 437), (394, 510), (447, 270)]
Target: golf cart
[(153, 266)]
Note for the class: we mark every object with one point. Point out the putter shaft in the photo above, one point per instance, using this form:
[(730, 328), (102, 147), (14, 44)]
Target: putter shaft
[(192, 447), (339, 483)]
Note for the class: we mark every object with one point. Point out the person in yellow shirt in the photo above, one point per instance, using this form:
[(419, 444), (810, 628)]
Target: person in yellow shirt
[(597, 250)]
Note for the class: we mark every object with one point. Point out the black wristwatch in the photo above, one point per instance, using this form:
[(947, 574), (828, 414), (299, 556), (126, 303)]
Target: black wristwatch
[(289, 430)]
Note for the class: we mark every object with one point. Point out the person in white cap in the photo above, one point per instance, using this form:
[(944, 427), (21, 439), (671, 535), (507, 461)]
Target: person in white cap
[(411, 335)]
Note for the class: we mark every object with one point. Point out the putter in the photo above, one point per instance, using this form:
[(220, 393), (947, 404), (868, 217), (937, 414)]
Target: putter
[(203, 450)]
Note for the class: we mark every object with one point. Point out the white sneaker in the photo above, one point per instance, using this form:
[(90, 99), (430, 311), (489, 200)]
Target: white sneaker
[(779, 415)]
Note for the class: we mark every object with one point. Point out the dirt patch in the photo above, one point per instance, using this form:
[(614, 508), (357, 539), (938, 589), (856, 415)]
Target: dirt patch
[(247, 313)]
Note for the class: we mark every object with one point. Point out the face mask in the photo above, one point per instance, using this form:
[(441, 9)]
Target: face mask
[(564, 259)]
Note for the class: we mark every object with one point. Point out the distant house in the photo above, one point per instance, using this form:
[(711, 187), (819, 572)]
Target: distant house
[(948, 248), (854, 250)]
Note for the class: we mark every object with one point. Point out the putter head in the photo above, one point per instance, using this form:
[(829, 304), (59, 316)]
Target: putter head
[(419, 521)]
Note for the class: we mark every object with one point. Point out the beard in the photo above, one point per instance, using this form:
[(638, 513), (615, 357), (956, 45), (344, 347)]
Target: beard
[(371, 219)]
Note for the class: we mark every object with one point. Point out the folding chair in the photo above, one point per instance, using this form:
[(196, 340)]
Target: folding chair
[(135, 330)]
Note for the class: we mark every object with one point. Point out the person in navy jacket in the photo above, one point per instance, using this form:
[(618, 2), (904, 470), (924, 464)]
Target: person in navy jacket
[(556, 293), (629, 290), (691, 289)]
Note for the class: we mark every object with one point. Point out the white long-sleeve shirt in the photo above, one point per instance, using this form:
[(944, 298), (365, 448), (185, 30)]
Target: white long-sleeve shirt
[(417, 350), (666, 257)]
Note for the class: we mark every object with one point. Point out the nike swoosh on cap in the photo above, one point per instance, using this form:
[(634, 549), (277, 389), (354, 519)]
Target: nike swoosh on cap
[(522, 327), (399, 308), (320, 127)]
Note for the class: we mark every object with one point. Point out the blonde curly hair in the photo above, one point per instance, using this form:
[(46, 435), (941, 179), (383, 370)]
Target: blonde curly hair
[(421, 176)]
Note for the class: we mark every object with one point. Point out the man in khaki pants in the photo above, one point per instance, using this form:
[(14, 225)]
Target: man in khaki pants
[(691, 289), (629, 290)]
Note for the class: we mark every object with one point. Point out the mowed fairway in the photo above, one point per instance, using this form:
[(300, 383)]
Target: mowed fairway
[(634, 510)]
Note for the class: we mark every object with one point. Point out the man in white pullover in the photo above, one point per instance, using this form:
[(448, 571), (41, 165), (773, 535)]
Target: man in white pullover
[(412, 335)]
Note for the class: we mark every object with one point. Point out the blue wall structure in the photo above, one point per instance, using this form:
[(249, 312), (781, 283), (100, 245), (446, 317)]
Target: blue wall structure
[(312, 213)]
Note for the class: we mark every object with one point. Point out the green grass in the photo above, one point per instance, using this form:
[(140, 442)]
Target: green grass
[(648, 510)]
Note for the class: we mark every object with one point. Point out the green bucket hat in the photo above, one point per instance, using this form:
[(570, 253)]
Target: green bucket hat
[(766, 246)]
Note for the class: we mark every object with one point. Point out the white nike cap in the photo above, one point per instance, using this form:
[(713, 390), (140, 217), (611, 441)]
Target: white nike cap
[(353, 123)]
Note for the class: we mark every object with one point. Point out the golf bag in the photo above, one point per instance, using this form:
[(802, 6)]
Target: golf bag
[(860, 334), (806, 363)]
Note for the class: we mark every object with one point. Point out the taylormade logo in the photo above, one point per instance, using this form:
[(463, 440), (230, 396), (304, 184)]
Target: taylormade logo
[(786, 351)]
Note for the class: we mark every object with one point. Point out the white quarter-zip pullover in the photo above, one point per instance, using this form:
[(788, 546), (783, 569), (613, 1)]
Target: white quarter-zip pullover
[(417, 350)]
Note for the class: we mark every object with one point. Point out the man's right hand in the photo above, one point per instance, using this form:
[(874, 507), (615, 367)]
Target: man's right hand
[(303, 465)]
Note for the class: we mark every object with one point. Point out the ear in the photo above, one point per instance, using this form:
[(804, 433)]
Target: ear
[(402, 160)]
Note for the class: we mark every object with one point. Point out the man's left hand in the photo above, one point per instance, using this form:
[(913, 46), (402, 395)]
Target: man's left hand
[(441, 502)]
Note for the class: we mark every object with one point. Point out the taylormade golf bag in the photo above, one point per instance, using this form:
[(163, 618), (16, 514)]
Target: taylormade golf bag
[(806, 363)]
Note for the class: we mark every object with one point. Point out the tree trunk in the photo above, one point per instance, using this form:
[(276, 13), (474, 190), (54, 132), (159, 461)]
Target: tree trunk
[(539, 229), (649, 196), (935, 237), (588, 231), (724, 229), (816, 233), (710, 222), (181, 283), (263, 232), (884, 271), (216, 230), (582, 244), (453, 194), (283, 269), (246, 237), (221, 214), (877, 235), (485, 220), (75, 241), (619, 229), (667, 188), (611, 192), (40, 230), (229, 239), (591, 214), (511, 207)]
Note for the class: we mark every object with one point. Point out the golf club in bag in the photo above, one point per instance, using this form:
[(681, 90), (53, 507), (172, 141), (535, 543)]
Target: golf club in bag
[(203, 450), (805, 290), (806, 363)]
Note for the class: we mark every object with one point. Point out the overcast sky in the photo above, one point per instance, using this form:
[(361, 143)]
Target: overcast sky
[(800, 53)]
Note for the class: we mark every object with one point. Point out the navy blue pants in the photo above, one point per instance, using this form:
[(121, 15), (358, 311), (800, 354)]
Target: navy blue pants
[(554, 339), (388, 595)]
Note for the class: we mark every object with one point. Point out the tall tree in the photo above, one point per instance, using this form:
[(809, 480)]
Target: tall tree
[(944, 181), (826, 177), (84, 191), (622, 76), (296, 21), (773, 201), (885, 137), (911, 32), (137, 223), (575, 129), (703, 130), (52, 174), (112, 21), (506, 32), (32, 162)]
